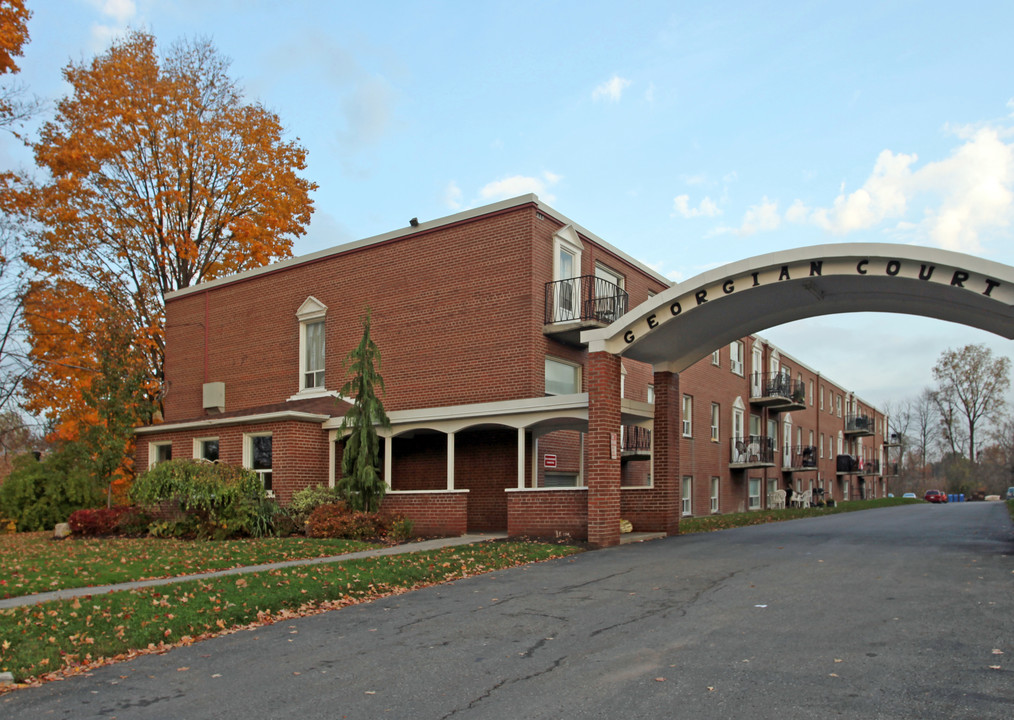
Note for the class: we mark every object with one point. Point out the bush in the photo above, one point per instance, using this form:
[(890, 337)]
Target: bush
[(218, 500), (307, 500), (39, 494), (97, 521), (337, 520)]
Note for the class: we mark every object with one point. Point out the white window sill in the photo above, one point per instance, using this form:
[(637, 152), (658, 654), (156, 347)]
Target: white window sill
[(313, 393)]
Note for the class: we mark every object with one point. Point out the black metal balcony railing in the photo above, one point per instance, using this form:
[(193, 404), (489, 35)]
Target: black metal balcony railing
[(847, 464), (636, 439), (584, 298), (753, 449), (778, 385), (803, 456), (859, 424), (869, 467)]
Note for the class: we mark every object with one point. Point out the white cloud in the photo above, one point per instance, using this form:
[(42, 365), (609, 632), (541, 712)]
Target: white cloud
[(706, 208), (950, 203), (611, 90), (520, 185), (117, 16), (452, 196), (759, 218)]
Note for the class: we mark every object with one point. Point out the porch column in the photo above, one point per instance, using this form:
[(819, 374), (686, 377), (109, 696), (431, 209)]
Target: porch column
[(602, 373), (388, 461), (450, 461), (665, 451), (521, 458)]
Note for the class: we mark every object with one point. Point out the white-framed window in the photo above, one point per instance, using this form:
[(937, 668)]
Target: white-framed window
[(715, 483), (206, 449), (688, 415), (159, 452), (716, 358), (822, 398), (736, 356), (567, 247), (716, 412), (841, 442), (311, 316), (822, 446), (258, 455), (687, 495), (754, 499), (811, 393), (651, 394), (757, 371), (562, 377), (837, 404)]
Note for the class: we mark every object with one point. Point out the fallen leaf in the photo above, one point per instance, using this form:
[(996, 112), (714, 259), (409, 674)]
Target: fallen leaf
[(711, 688), (837, 660), (659, 679), (997, 651), (994, 667), (834, 675), (182, 669)]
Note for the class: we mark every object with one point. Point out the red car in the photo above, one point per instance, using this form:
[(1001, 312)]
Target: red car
[(935, 496)]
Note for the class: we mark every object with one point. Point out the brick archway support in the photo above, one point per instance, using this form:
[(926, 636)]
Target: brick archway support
[(602, 378), (665, 453)]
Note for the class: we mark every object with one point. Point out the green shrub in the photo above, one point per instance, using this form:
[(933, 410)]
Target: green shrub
[(219, 500), (400, 528), (39, 494)]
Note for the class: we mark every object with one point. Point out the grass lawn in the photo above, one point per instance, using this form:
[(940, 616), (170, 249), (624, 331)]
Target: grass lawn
[(709, 523), (34, 562), (45, 640)]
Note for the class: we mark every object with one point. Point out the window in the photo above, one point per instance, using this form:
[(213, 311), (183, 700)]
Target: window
[(716, 358), (560, 479), (257, 456), (311, 344), (715, 413), (651, 394), (772, 486), (313, 358), (755, 425), (567, 249), (562, 378), (754, 502), (811, 393), (714, 493), (608, 294), (687, 495), (838, 405), (822, 398), (822, 445), (736, 356), (688, 414), (206, 449), (159, 452)]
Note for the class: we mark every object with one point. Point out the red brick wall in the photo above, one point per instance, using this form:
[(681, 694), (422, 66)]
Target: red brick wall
[(299, 451), (432, 513), (548, 513)]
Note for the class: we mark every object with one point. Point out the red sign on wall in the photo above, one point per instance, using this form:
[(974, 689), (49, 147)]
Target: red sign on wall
[(549, 460)]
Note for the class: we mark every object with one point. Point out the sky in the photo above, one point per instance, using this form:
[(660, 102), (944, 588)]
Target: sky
[(687, 134)]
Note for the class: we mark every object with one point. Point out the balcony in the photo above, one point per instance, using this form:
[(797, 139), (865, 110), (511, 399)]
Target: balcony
[(859, 425), (636, 443), (890, 469), (777, 392), (581, 303), (851, 465), (801, 459), (753, 451)]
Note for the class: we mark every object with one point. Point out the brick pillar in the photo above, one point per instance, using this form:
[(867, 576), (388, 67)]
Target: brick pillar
[(665, 454), (602, 377)]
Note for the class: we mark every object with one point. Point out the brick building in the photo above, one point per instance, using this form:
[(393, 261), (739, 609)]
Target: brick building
[(479, 319)]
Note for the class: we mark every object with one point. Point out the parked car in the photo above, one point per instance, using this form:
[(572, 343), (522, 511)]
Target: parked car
[(935, 496), (1010, 494), (911, 496)]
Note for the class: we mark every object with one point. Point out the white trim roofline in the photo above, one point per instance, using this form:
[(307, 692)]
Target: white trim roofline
[(400, 233), (233, 420)]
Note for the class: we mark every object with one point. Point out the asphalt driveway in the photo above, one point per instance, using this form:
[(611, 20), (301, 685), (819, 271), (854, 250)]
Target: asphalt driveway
[(904, 612)]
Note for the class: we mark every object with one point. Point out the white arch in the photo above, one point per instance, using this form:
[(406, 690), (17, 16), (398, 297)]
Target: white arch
[(676, 328)]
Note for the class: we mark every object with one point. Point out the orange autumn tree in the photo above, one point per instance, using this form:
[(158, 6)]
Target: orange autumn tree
[(161, 176)]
